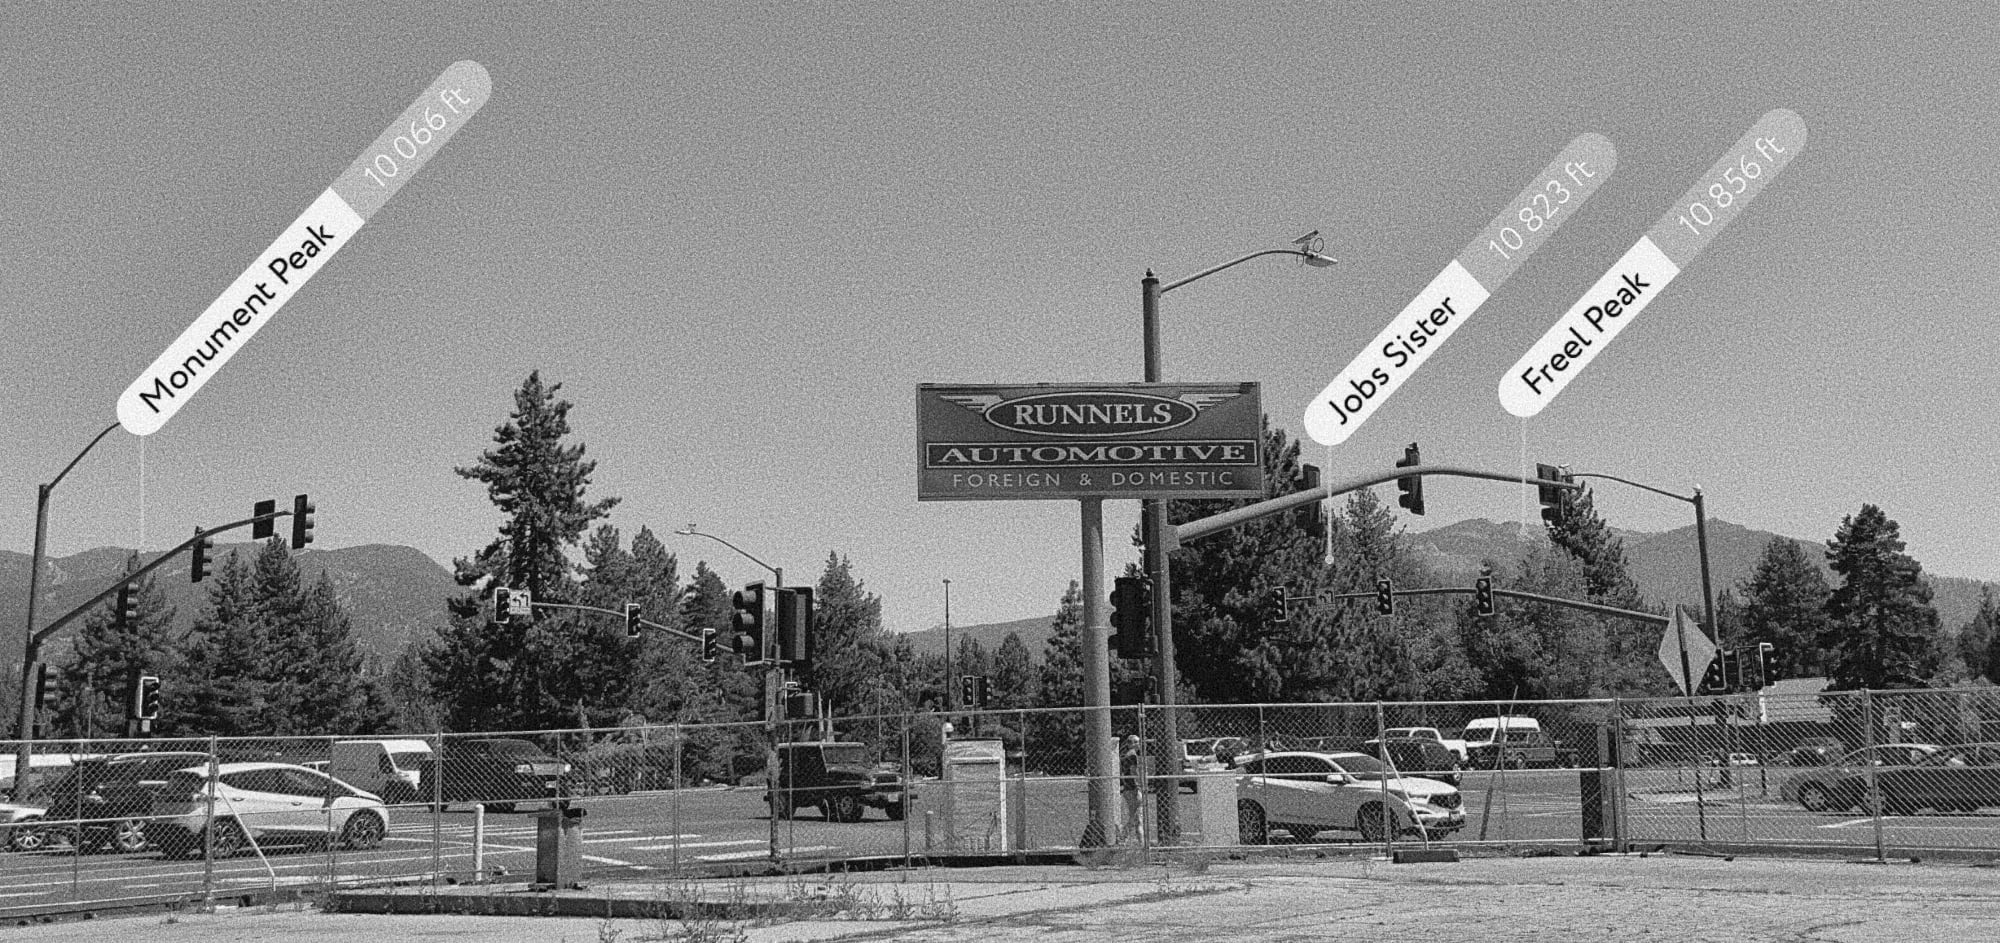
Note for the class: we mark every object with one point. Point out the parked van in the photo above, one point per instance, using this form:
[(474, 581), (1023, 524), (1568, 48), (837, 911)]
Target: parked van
[(1512, 742), (387, 768)]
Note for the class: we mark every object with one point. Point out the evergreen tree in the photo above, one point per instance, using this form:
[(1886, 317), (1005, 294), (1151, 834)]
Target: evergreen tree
[(1881, 627), (490, 676), (226, 662), (1630, 648), (848, 650), (1784, 603), (92, 686), (335, 691), (1978, 638), (1226, 646), (705, 604), (1016, 680), (1055, 741)]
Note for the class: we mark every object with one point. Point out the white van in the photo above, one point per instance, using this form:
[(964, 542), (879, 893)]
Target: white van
[(387, 768), (1487, 730)]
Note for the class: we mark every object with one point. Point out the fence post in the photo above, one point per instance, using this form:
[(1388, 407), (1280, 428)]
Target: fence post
[(437, 812), (208, 831), (1388, 817), (674, 797), (1875, 802)]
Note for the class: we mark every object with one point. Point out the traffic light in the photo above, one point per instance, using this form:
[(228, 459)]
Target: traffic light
[(709, 648), (41, 685), (146, 698), (302, 522), (748, 620), (1308, 481), (1711, 679), (198, 566), (1385, 597), (1274, 605), (1482, 593), (968, 693), (1552, 498), (633, 626), (1411, 487), (127, 612), (266, 526), (1731, 665), (1769, 663), (502, 604), (801, 705), (1132, 616), (795, 626)]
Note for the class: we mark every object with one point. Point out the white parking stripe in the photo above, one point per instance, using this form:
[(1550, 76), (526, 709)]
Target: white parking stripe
[(753, 854), (703, 844)]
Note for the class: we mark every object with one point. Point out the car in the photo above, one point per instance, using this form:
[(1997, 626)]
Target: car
[(1418, 756), (1843, 784), (1305, 793), (266, 803), (836, 778), (1211, 754), (1742, 759), (391, 769), (1963, 778), (1815, 751), (20, 827), (103, 803), (1454, 744), (498, 773)]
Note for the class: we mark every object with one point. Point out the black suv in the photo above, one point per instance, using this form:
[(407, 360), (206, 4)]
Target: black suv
[(105, 802), (1417, 756), (838, 779), (496, 773)]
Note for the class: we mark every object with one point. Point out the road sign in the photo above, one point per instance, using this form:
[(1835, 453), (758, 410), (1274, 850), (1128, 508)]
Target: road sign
[(1118, 440), (1700, 649)]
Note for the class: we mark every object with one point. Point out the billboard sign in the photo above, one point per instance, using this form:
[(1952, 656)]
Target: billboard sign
[(1105, 440)]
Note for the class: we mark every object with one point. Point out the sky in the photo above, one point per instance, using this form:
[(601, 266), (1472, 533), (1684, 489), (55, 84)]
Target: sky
[(740, 235)]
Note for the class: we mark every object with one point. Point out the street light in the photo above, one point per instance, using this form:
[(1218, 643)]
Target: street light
[(31, 649), (1154, 520)]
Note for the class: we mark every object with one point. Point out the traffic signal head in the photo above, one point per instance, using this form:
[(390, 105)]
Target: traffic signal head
[(127, 612), (633, 628), (1274, 605), (708, 645), (302, 522), (198, 564), (1482, 594), (1552, 498), (801, 705), (968, 692), (1385, 597), (502, 604), (795, 626), (41, 685), (1411, 489), (1767, 659), (266, 526), (1308, 481), (146, 698), (1731, 666), (747, 606), (1711, 678), (1132, 616)]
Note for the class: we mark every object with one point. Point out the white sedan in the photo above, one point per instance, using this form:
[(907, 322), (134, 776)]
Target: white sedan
[(1306, 793), (262, 802)]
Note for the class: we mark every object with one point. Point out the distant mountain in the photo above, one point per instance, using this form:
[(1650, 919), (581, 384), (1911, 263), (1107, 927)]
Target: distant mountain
[(1667, 566), (392, 593), (1034, 631)]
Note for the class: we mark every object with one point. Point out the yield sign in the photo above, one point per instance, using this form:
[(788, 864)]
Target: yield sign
[(1700, 650)]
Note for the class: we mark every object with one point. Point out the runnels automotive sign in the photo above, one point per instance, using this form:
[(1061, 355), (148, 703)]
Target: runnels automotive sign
[(1132, 440)]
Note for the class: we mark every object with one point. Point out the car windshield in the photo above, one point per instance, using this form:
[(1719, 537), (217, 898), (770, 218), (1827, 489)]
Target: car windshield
[(404, 759), (1361, 767), (845, 754)]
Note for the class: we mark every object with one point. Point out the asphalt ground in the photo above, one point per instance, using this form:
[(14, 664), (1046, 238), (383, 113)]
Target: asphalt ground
[(1283, 898)]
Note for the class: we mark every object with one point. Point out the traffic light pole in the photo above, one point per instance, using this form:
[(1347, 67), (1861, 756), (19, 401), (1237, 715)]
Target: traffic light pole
[(537, 604), (1100, 756), (1166, 681), (25, 752), (1178, 534)]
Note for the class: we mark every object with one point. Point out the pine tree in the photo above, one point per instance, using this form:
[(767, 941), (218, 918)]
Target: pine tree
[(1784, 603), (1630, 648), (1881, 627), (705, 604), (1978, 638), (489, 676), (227, 661), (91, 688), (1055, 739), (849, 641), (1016, 681)]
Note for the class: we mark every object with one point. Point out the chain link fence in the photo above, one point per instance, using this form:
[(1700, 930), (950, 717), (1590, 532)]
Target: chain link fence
[(130, 821)]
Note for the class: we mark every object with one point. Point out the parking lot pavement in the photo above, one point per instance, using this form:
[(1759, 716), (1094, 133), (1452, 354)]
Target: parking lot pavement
[(1614, 898)]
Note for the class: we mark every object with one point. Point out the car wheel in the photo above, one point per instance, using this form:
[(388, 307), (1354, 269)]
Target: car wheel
[(27, 836), (1369, 823), (843, 809), (1814, 798), (1251, 829), (127, 836), (498, 806), (363, 832), (895, 810), (224, 839)]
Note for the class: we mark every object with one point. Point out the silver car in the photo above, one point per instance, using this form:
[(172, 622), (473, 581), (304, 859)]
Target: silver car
[(264, 803), (1306, 793)]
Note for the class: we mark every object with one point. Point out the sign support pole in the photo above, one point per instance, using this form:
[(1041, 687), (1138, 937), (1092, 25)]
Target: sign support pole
[(1100, 757)]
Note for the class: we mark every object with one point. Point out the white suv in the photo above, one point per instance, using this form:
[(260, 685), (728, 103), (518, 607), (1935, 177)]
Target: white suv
[(264, 802), (1306, 793)]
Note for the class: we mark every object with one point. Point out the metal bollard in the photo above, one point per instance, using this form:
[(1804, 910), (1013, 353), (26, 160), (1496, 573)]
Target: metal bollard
[(478, 841)]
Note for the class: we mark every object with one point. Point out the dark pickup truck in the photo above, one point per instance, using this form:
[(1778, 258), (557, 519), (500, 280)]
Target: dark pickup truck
[(497, 773), (837, 779)]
